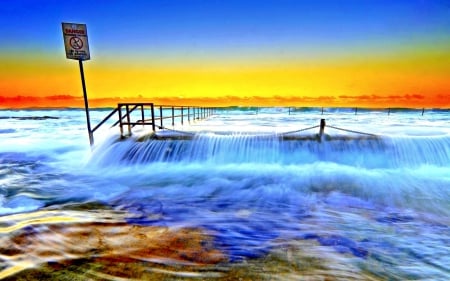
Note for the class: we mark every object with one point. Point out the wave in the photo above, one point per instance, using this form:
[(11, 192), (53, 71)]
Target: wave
[(222, 149)]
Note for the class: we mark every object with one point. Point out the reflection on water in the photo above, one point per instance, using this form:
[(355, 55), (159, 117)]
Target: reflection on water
[(64, 237), (75, 251), (337, 240), (226, 207)]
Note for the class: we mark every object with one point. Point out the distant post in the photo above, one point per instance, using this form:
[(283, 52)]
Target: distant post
[(77, 48)]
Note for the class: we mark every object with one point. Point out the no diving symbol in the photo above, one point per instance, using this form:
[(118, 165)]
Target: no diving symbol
[(76, 43)]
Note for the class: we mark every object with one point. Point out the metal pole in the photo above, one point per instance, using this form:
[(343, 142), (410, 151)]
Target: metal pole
[(86, 105), (119, 107)]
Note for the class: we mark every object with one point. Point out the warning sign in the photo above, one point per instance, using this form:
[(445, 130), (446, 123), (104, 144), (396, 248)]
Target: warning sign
[(76, 41)]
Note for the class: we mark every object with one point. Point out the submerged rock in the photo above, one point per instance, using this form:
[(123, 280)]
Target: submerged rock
[(107, 242)]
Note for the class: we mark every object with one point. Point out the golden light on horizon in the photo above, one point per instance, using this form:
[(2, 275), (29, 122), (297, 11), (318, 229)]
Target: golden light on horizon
[(421, 77)]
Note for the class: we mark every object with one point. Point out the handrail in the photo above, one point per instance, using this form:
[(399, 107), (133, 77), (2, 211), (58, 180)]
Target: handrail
[(177, 112), (120, 106), (105, 119)]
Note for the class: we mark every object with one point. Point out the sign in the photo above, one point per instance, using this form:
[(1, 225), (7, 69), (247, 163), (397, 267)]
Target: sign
[(76, 41)]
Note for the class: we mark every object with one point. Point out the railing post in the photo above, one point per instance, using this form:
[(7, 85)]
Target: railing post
[(423, 111), (389, 111), (161, 116), (189, 115), (356, 110), (182, 112), (119, 107), (128, 119), (153, 117), (173, 116), (322, 127), (322, 110)]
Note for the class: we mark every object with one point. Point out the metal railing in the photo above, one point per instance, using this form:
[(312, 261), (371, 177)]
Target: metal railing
[(388, 110), (153, 115)]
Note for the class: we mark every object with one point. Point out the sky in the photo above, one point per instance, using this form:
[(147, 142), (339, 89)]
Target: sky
[(364, 53)]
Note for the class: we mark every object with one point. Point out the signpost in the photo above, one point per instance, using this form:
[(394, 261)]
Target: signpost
[(77, 48)]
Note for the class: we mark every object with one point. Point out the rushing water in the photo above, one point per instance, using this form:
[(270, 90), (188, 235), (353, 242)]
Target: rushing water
[(243, 195)]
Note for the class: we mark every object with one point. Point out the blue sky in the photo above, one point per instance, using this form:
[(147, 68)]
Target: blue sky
[(225, 26)]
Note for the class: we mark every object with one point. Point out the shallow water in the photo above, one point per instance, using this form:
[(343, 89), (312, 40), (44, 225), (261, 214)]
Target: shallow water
[(248, 197)]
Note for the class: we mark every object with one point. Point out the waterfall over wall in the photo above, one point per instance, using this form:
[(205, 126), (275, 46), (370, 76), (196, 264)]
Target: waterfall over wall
[(240, 148)]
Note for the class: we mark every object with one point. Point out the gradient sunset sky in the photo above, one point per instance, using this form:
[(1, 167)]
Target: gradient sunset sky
[(375, 53)]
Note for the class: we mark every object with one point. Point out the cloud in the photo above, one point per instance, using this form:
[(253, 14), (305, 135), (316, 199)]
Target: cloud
[(364, 100), (41, 102)]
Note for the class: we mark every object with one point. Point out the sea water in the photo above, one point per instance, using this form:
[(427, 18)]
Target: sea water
[(246, 194)]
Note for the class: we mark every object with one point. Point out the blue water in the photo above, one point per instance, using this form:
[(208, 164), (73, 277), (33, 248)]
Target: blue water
[(375, 207)]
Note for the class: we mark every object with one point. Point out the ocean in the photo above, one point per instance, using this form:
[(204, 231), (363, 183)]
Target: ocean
[(245, 194)]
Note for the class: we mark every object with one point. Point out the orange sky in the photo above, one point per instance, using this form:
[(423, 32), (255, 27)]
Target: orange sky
[(402, 80)]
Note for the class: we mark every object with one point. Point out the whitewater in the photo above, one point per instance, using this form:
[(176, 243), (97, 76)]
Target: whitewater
[(245, 194)]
